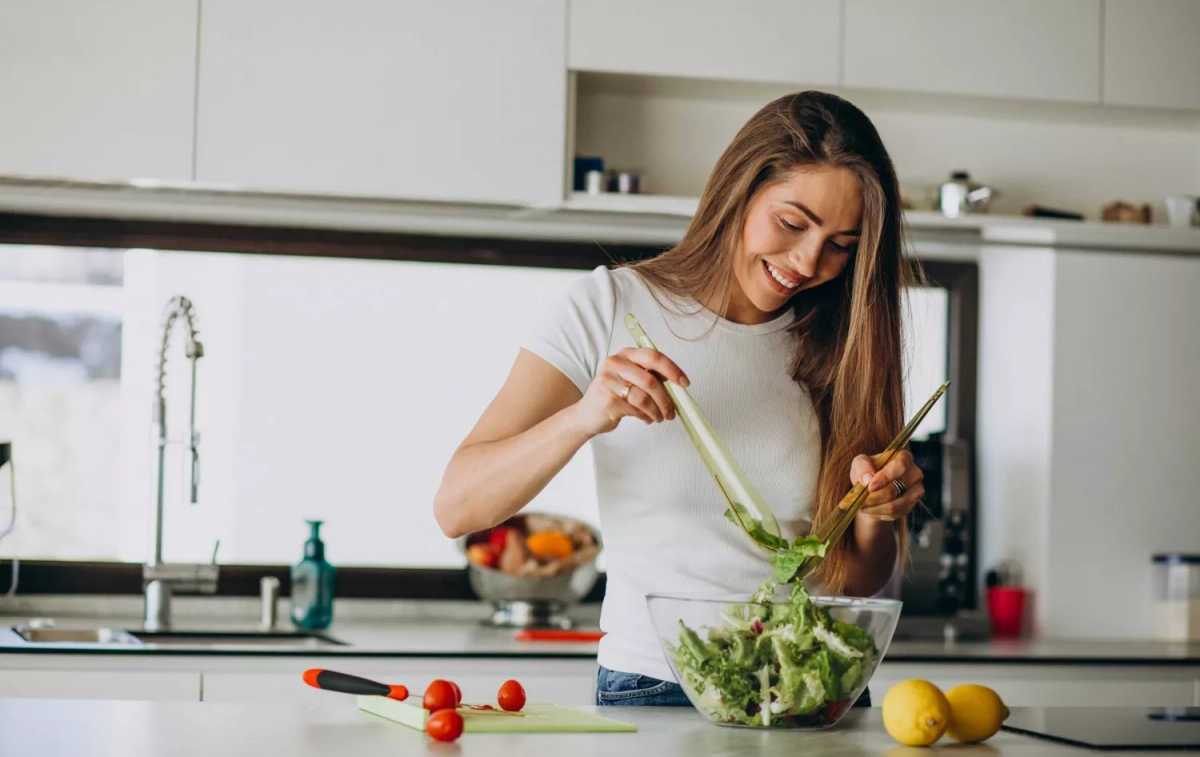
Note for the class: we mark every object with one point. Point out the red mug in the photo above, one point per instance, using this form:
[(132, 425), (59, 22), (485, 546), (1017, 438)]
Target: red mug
[(1006, 605)]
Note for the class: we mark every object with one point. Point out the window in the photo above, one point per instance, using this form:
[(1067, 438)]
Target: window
[(926, 354), (333, 389), (61, 313), (329, 388), (338, 389)]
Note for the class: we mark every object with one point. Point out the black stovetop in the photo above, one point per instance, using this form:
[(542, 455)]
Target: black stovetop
[(1174, 728)]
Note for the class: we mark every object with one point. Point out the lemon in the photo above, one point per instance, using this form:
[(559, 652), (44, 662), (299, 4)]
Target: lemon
[(915, 713), (976, 713)]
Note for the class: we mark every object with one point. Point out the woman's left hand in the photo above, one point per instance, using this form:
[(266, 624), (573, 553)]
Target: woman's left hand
[(886, 500)]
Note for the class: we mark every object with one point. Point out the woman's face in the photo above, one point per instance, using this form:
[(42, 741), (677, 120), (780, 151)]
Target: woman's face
[(799, 233)]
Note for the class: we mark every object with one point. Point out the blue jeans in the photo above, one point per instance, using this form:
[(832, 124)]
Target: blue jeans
[(615, 689)]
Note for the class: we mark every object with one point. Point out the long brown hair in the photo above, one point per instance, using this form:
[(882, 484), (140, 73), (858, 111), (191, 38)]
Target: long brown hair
[(847, 331)]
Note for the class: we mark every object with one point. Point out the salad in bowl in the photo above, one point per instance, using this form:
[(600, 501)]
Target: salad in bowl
[(777, 659)]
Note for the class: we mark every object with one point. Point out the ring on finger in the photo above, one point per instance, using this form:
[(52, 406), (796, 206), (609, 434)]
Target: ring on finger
[(624, 395), (900, 487)]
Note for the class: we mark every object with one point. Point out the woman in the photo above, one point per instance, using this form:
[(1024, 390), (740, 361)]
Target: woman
[(780, 309)]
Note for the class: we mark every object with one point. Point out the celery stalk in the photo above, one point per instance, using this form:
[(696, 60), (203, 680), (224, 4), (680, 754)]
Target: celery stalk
[(746, 506)]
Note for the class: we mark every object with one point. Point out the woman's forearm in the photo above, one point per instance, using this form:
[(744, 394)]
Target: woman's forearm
[(488, 482), (873, 556)]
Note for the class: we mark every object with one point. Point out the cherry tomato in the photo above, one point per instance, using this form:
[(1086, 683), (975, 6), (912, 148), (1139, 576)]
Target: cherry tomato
[(444, 725), (457, 693), (511, 697), (498, 538), (439, 696)]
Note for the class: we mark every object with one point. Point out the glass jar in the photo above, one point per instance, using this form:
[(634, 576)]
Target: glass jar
[(1177, 595)]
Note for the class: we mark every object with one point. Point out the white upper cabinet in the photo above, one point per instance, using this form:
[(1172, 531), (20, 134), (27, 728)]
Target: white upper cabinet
[(1152, 53), (424, 99), (97, 90), (790, 41), (1037, 49)]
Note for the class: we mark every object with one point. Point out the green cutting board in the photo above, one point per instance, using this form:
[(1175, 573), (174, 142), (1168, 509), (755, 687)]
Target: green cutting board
[(535, 718)]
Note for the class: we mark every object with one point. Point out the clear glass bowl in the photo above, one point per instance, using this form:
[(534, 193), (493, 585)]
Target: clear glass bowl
[(822, 676)]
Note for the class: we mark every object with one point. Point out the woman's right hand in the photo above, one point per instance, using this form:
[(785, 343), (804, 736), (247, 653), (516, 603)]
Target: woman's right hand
[(629, 383)]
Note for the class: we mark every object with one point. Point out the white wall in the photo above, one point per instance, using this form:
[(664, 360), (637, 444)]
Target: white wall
[(1126, 436), (1066, 156), (1015, 398), (1088, 429)]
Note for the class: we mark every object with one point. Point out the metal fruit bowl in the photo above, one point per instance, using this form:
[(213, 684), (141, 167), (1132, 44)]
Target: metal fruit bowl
[(533, 602)]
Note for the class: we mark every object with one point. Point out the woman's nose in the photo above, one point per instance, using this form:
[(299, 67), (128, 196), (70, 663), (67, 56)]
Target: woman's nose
[(806, 258)]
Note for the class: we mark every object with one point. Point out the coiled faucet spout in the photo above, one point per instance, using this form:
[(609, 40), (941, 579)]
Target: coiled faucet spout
[(178, 309)]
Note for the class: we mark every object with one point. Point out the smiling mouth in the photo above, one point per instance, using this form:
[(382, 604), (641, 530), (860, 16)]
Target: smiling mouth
[(785, 281)]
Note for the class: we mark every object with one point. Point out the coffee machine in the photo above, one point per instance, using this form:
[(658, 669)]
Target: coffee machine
[(938, 582)]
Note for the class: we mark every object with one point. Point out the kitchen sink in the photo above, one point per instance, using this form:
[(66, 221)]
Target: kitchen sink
[(119, 636), (273, 639), (75, 635)]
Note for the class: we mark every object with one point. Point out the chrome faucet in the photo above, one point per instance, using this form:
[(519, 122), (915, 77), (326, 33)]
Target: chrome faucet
[(161, 580)]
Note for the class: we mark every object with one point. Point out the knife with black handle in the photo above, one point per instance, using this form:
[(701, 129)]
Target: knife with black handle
[(344, 683)]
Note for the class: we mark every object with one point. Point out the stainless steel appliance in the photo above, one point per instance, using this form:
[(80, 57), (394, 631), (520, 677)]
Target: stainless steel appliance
[(939, 584)]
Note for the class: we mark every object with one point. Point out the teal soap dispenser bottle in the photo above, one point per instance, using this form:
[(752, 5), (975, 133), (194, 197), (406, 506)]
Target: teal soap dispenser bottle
[(312, 584)]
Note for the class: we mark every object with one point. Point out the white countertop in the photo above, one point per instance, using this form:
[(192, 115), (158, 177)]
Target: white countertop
[(53, 727), (462, 635)]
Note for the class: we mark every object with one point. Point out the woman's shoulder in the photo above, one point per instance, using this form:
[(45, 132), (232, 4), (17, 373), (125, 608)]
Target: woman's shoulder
[(614, 277), (627, 284), (575, 333), (605, 287)]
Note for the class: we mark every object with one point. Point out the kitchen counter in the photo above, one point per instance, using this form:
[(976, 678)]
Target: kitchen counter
[(33, 728), (466, 637), (414, 645)]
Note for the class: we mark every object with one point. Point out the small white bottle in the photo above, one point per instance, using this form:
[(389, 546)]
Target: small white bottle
[(1177, 593)]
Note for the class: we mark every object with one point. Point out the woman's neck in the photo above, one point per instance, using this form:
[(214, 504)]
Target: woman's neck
[(735, 306)]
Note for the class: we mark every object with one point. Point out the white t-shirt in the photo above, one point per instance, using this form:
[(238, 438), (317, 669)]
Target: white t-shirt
[(661, 513)]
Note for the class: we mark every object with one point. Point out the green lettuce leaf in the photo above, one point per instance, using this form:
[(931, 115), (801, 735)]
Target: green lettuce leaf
[(690, 643), (851, 677), (787, 560), (853, 635), (826, 669), (756, 531), (765, 593)]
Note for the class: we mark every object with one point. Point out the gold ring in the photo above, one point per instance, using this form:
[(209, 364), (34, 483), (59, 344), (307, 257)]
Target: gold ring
[(625, 392), (900, 487)]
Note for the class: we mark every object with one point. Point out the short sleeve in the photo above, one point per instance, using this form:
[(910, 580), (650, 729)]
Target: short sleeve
[(573, 335)]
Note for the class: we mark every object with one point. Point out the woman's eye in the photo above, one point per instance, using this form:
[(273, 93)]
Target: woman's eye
[(790, 227), (839, 247)]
